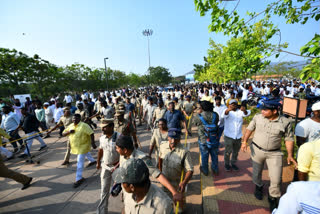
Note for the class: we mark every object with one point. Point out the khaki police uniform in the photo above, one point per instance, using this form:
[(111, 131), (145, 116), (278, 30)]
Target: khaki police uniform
[(66, 121), (174, 161), (124, 127), (154, 202), (8, 173), (110, 159), (266, 147), (84, 114), (158, 114), (166, 103), (188, 107), (157, 138)]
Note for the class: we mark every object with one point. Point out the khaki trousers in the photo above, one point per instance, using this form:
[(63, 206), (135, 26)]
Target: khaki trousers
[(274, 164), (7, 173), (106, 180), (67, 155)]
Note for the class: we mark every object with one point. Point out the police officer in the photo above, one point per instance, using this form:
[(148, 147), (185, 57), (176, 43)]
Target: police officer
[(173, 158), (146, 197), (188, 107), (108, 153), (158, 113), (124, 127), (269, 129)]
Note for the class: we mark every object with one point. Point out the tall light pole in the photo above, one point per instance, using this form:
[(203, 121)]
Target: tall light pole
[(105, 67), (148, 33)]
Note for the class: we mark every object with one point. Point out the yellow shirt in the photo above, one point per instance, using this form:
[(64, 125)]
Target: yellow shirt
[(309, 160), (207, 98), (3, 133), (80, 140)]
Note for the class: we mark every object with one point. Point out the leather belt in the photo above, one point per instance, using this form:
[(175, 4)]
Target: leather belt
[(262, 149)]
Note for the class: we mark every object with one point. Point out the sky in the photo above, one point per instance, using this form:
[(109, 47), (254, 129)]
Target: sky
[(68, 31)]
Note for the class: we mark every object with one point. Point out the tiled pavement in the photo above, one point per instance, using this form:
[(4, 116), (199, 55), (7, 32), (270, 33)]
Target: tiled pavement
[(232, 192)]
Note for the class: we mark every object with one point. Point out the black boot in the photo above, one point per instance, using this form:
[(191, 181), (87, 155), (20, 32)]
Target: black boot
[(273, 203), (258, 192)]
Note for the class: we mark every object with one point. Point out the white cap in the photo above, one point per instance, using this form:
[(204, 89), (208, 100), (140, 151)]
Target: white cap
[(316, 106)]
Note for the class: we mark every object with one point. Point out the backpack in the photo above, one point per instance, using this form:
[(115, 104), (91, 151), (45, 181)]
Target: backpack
[(211, 132)]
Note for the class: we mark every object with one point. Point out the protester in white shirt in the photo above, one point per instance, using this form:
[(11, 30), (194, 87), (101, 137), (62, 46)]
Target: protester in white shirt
[(233, 119), (301, 197), (219, 109), (68, 98), (245, 92)]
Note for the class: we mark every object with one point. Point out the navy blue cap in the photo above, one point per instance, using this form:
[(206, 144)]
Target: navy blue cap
[(174, 133), (175, 99), (188, 96), (149, 98), (270, 104)]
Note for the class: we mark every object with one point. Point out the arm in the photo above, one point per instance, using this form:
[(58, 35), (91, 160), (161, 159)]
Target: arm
[(135, 140), (186, 180), (152, 145), (92, 141), (289, 147), (54, 128), (100, 155), (160, 164), (176, 195)]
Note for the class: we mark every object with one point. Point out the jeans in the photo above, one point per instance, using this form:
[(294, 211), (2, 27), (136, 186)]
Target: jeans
[(205, 151), (220, 133), (80, 164), (15, 135), (30, 139)]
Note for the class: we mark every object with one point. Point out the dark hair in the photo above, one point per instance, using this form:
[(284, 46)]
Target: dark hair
[(163, 120), (125, 142), (77, 115), (218, 98), (206, 106)]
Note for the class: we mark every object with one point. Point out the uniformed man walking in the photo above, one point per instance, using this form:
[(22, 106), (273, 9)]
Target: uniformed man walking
[(108, 153), (173, 158), (158, 113), (143, 197), (269, 129), (188, 107), (125, 127)]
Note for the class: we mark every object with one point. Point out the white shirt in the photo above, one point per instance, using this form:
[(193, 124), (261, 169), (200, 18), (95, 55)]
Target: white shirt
[(110, 154), (317, 92), (10, 121), (220, 110), (309, 129), (68, 99), (266, 91), (245, 93), (233, 123), (301, 197), (57, 114)]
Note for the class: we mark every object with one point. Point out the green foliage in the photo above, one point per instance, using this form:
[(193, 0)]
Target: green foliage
[(20, 73), (293, 11), (239, 59), (159, 75)]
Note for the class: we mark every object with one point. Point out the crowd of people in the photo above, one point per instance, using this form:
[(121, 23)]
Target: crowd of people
[(216, 110)]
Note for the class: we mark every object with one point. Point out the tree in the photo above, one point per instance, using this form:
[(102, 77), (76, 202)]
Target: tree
[(159, 75), (240, 58), (300, 11)]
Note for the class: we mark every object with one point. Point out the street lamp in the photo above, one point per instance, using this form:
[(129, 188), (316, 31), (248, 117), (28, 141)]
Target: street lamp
[(105, 67), (148, 33)]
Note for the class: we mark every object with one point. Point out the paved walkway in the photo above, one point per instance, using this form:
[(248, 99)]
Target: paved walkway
[(52, 191), (232, 192)]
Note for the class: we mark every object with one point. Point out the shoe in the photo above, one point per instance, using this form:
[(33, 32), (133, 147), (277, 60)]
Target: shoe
[(9, 158), (16, 150), (78, 183), (65, 163), (227, 168), (46, 136), (273, 203), (42, 147), (258, 192), (91, 164), (234, 167), (205, 173), (23, 156), (25, 186)]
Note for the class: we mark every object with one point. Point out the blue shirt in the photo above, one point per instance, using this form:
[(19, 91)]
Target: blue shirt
[(130, 107), (10, 121), (174, 119)]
